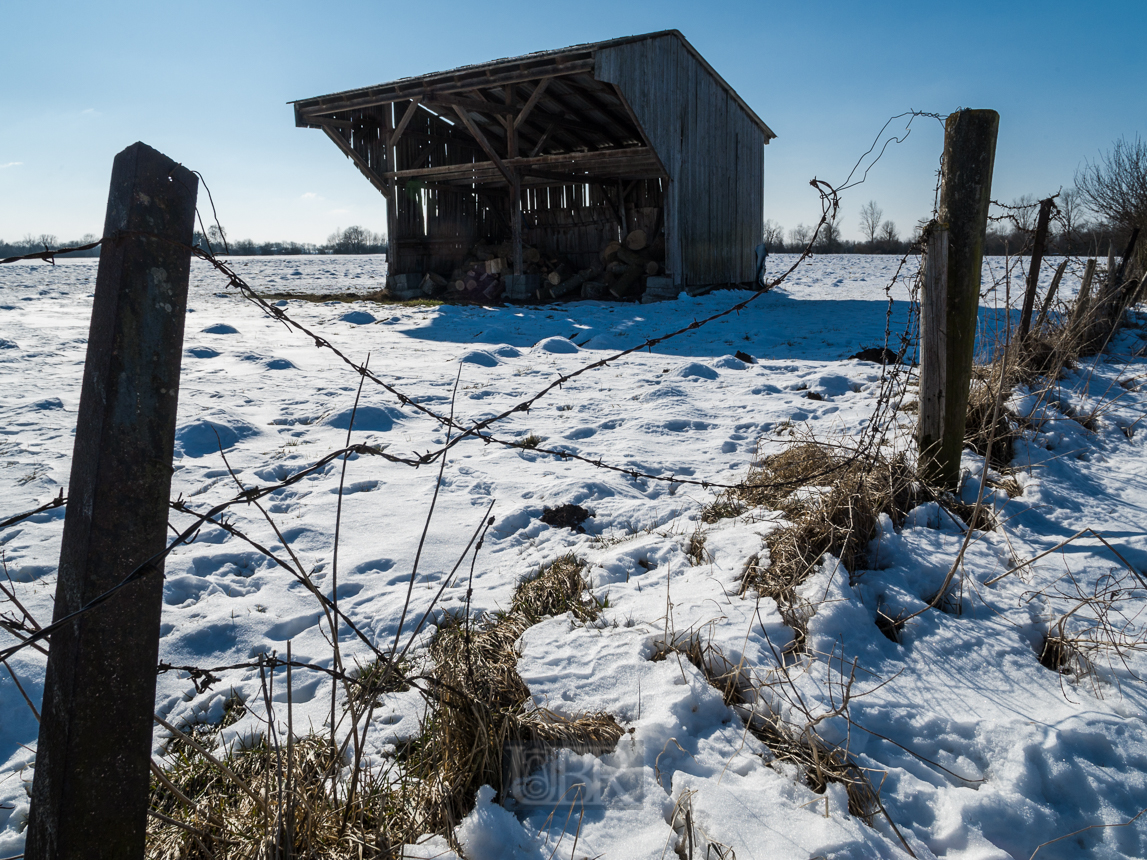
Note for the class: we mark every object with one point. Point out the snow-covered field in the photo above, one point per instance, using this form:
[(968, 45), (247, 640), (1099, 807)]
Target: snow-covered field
[(978, 750)]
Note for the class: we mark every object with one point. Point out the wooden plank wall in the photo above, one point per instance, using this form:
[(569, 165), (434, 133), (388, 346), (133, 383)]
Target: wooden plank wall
[(435, 226), (712, 150), (576, 221)]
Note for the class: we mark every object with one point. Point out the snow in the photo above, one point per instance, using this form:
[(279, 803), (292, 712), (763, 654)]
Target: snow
[(978, 750)]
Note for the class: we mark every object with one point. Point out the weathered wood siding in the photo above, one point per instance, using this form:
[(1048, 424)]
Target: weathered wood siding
[(712, 150), (435, 227)]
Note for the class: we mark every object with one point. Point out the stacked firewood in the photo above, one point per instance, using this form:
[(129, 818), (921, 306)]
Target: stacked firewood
[(629, 263), (619, 272)]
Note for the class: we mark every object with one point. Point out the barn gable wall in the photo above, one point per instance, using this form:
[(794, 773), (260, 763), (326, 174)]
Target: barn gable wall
[(711, 148)]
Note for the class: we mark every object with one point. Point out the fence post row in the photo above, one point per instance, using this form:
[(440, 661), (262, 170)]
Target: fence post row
[(90, 789), (951, 294), (1039, 244)]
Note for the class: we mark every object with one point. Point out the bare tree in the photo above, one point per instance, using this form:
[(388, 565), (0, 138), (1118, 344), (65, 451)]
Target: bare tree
[(1115, 186), (829, 238), (870, 215), (774, 236), (799, 235), (1023, 212), (217, 236), (354, 240), (888, 233)]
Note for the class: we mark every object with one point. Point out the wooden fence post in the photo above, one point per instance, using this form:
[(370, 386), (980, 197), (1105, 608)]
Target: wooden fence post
[(1038, 245), (90, 789), (1047, 300), (951, 296), (1109, 306)]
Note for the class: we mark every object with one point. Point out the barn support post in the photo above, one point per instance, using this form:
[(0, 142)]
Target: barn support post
[(1038, 245), (391, 193), (516, 221), (91, 784), (952, 292)]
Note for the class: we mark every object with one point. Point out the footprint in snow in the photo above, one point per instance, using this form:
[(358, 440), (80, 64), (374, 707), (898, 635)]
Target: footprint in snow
[(292, 627)]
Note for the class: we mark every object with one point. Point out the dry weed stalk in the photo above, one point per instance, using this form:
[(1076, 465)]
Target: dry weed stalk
[(760, 706), (1103, 622)]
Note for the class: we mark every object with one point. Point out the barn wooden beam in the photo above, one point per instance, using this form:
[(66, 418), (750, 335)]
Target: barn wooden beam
[(472, 127), (608, 101), (542, 140), (476, 105), (511, 127), (632, 162), (405, 121), (574, 120), (373, 98), (531, 102), (380, 182)]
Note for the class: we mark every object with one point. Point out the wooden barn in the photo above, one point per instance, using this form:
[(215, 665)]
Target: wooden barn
[(552, 156)]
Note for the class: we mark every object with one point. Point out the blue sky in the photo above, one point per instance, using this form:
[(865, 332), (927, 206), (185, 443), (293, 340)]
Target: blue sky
[(207, 83)]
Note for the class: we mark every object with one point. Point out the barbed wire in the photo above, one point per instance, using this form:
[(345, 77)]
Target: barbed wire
[(829, 198)]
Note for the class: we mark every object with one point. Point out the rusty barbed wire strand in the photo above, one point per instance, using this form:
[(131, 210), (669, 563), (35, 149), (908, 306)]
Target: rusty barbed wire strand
[(59, 501), (149, 565), (49, 255), (829, 205)]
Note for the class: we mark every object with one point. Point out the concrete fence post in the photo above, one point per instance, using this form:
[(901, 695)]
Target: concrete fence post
[(90, 789)]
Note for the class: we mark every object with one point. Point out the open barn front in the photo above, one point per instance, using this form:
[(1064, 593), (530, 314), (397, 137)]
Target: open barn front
[(536, 172)]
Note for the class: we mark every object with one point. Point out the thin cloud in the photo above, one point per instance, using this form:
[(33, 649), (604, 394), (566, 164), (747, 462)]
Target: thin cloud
[(11, 164), (310, 195)]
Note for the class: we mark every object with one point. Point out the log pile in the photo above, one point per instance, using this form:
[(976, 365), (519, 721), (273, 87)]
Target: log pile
[(629, 270)]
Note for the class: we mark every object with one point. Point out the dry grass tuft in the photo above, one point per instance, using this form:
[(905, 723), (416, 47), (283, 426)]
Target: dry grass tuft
[(373, 681), (481, 705), (275, 801), (1060, 654), (833, 500), (695, 548), (289, 800), (980, 430)]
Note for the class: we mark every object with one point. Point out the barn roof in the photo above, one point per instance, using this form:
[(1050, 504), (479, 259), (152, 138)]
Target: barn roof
[(561, 61)]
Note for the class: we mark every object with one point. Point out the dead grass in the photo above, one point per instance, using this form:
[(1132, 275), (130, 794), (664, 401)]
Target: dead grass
[(289, 799), (981, 432), (275, 800), (832, 499), (695, 548), (374, 680), (481, 706), (819, 762)]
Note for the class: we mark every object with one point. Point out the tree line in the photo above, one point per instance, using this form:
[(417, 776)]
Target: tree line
[(352, 240), (1107, 202)]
